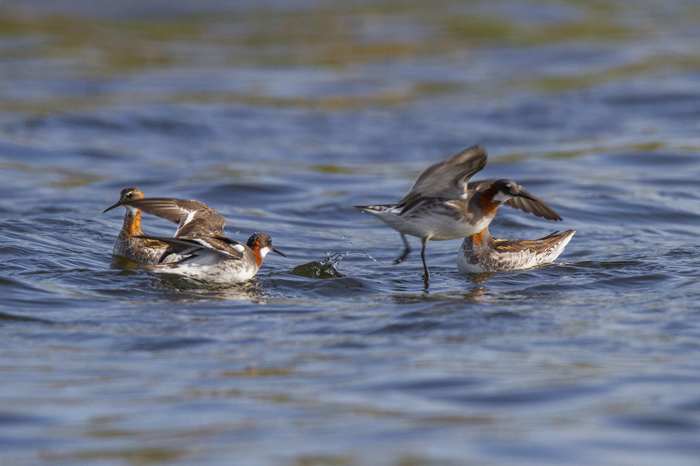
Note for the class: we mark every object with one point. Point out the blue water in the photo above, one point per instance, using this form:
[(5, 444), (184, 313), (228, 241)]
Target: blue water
[(282, 116)]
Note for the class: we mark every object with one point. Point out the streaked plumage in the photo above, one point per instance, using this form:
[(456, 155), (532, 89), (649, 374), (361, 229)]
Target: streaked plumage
[(130, 242), (442, 204), (216, 259), (193, 218), (199, 248), (448, 178), (483, 253)]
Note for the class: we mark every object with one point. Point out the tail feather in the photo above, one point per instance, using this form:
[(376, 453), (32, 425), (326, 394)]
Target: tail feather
[(559, 235), (376, 208), (185, 248)]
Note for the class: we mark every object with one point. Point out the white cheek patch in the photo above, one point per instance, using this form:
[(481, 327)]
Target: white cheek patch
[(501, 197), (131, 210), (264, 251)]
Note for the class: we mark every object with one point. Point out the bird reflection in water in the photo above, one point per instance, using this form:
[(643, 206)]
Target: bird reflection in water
[(189, 289), (477, 294)]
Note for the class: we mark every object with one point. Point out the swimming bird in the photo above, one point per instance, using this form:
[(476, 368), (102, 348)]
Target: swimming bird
[(199, 248), (216, 259), (443, 205), (130, 242), (483, 253)]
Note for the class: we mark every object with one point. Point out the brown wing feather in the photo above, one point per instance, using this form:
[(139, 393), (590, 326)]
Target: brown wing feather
[(194, 218), (174, 210), (202, 226), (448, 179), (181, 245), (534, 206), (536, 245)]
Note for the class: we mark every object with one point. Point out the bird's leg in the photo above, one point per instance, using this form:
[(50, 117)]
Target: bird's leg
[(406, 250), (426, 272)]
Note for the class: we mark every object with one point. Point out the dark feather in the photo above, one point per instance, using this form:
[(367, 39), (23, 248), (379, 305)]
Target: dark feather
[(535, 245), (375, 207), (534, 206), (190, 246), (448, 178), (205, 221), (530, 204)]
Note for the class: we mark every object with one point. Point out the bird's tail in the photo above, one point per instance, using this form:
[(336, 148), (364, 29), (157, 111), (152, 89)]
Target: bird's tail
[(376, 208)]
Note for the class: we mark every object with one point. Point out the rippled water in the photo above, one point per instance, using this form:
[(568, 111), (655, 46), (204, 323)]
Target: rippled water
[(282, 115)]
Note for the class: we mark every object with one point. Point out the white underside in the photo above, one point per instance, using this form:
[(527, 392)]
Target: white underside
[(492, 261), (212, 267), (435, 227)]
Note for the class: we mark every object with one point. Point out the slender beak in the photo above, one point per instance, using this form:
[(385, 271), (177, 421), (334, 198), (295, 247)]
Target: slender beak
[(113, 206), (277, 251)]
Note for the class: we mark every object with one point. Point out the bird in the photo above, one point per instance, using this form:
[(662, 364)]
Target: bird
[(199, 248), (130, 242), (442, 204), (482, 253)]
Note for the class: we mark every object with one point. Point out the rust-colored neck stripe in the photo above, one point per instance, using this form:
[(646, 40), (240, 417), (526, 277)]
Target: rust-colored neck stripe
[(258, 256), (479, 238), (486, 202), (132, 223)]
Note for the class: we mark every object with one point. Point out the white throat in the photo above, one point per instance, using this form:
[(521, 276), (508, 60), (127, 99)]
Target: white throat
[(501, 197), (264, 251)]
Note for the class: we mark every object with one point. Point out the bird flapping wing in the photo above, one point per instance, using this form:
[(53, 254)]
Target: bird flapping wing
[(448, 179), (194, 218)]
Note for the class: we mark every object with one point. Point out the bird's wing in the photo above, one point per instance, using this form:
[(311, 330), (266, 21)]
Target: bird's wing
[(538, 245), (530, 204), (188, 246), (194, 218), (534, 206), (448, 179)]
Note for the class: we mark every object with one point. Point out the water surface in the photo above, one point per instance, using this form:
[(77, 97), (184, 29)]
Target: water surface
[(282, 115)]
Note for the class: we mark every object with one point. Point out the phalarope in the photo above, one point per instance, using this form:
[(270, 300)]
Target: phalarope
[(483, 253), (443, 205), (130, 243), (199, 249)]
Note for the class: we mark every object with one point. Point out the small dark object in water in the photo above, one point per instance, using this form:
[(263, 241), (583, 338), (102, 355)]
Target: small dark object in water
[(323, 269)]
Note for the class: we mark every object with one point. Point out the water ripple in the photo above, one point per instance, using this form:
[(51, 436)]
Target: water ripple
[(282, 116)]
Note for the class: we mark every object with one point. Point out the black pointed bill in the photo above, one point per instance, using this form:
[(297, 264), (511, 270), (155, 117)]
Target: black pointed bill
[(113, 206), (277, 251)]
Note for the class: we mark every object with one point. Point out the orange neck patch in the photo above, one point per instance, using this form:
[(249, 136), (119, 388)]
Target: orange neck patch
[(258, 256), (479, 238), (486, 202), (132, 223)]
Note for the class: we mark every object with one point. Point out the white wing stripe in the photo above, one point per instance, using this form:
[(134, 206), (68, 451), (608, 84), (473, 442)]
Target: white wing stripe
[(209, 246), (185, 221)]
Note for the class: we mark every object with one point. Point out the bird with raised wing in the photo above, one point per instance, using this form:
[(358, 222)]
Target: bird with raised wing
[(199, 249), (442, 204)]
